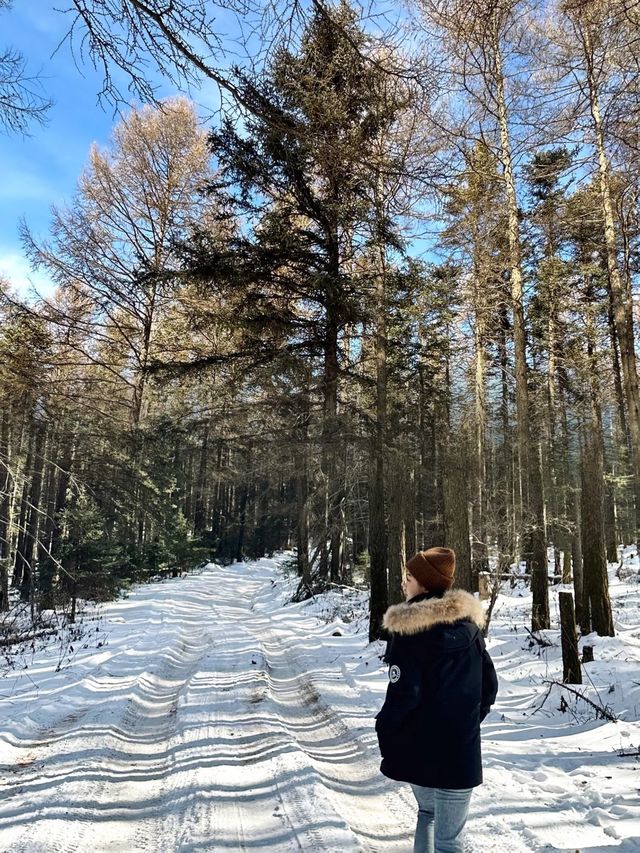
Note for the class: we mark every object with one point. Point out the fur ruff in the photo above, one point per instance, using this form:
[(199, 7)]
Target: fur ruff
[(456, 604)]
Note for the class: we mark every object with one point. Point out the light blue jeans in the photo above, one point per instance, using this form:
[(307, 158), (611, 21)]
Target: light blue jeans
[(442, 814)]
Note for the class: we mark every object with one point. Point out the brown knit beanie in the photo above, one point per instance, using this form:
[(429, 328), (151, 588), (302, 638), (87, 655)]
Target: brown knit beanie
[(434, 569)]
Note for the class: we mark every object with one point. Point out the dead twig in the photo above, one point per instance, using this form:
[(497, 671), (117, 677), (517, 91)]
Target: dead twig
[(603, 711), (541, 641), (496, 586)]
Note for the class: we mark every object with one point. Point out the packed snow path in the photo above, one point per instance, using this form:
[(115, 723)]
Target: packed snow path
[(216, 719), (201, 732)]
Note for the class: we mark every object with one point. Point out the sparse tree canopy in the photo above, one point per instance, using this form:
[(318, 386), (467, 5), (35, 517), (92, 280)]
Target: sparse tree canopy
[(22, 101)]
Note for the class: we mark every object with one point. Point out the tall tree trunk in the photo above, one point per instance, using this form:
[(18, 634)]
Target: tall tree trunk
[(330, 441), (411, 545), (188, 485), (617, 376), (423, 444), (555, 518), (23, 515), (569, 492), (539, 572), (216, 521), (62, 491), (455, 493), (46, 565), (396, 543), (33, 518), (620, 298), (610, 525), (381, 589), (302, 491), (596, 606), (243, 493), (456, 516), (6, 484), (572, 673), (199, 512), (262, 517), (506, 513), (143, 354), (530, 474), (576, 550), (480, 550)]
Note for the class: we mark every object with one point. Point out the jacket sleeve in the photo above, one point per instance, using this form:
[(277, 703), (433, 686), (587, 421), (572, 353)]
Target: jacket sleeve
[(387, 653), (489, 683)]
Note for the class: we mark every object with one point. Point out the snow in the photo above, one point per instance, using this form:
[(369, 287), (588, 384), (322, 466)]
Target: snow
[(207, 713)]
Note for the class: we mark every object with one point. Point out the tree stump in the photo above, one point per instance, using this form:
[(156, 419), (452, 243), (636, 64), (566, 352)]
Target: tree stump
[(587, 654), (570, 659)]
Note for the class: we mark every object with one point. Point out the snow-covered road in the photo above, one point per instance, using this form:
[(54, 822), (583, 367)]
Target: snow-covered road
[(201, 730), (215, 718)]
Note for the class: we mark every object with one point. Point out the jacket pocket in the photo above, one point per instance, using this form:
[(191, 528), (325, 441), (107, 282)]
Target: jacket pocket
[(396, 729)]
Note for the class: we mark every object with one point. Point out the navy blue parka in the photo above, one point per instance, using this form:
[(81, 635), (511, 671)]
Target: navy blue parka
[(442, 684)]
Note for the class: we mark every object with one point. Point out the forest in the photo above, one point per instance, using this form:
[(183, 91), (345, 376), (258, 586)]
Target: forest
[(384, 299)]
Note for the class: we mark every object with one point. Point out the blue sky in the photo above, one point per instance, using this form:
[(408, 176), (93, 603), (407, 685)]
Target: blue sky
[(42, 169)]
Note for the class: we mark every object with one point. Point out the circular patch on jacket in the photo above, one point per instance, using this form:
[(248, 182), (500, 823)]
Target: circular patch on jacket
[(394, 674)]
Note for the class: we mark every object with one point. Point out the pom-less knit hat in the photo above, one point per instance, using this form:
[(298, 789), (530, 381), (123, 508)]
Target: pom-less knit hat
[(434, 569)]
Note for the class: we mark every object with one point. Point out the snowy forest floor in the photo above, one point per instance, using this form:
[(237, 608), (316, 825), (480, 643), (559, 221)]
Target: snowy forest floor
[(206, 713)]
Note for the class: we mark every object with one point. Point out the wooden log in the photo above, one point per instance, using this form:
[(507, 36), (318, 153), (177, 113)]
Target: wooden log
[(572, 673)]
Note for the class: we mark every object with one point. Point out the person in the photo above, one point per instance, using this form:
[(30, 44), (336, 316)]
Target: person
[(442, 684)]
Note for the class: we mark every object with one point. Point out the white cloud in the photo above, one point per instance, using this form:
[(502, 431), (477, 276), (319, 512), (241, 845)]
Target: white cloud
[(15, 269)]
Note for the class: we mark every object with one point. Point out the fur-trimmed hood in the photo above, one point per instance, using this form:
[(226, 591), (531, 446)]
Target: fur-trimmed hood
[(455, 604)]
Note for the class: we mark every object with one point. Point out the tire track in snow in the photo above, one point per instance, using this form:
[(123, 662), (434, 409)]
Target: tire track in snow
[(126, 759), (109, 799), (259, 788), (284, 771), (347, 768), (224, 743), (484, 835)]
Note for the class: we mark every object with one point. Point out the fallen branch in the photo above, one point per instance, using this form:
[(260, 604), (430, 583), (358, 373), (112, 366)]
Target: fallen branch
[(541, 641), (15, 640), (342, 586), (603, 711)]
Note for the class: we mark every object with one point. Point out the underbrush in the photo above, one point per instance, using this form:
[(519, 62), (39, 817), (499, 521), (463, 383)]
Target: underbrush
[(23, 635)]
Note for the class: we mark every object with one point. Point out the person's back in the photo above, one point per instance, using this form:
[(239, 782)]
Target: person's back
[(441, 686)]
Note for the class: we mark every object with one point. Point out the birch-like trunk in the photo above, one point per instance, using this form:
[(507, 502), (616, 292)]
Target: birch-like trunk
[(480, 549), (506, 510)]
